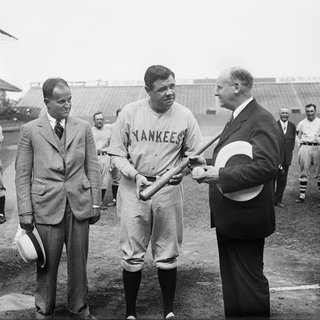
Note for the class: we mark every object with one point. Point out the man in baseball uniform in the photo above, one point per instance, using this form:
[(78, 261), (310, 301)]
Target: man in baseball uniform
[(152, 136), (102, 135), (308, 133), (115, 173)]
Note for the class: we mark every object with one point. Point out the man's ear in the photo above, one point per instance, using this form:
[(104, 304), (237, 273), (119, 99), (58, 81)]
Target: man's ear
[(236, 87), (147, 90), (46, 101)]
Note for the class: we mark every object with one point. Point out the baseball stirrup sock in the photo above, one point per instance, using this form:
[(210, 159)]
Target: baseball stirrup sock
[(131, 283), (167, 280), (303, 188), (114, 191)]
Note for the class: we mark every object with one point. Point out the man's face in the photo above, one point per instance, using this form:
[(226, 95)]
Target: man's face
[(98, 120), (59, 104), (311, 113), (225, 92), (163, 94), (284, 114)]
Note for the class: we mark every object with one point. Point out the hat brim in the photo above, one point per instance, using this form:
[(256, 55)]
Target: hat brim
[(237, 152)]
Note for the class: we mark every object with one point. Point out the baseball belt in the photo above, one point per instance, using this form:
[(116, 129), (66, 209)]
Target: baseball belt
[(102, 153), (310, 143)]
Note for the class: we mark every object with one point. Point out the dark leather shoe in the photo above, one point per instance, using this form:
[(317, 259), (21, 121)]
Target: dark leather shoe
[(2, 218), (113, 203), (299, 200), (83, 314)]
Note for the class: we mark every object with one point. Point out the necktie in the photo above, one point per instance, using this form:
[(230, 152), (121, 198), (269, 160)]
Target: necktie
[(58, 129), (229, 121), (285, 128)]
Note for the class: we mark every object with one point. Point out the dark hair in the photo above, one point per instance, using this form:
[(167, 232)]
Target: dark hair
[(311, 105), (99, 112), (243, 76), (118, 111), (156, 72), (49, 85)]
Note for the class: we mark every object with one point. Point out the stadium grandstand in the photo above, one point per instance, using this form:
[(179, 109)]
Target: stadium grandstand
[(198, 95)]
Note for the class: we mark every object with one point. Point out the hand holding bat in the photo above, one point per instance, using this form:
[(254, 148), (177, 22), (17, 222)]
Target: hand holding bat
[(148, 192)]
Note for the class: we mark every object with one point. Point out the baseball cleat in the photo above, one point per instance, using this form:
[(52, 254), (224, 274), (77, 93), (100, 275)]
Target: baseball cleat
[(170, 316), (299, 200)]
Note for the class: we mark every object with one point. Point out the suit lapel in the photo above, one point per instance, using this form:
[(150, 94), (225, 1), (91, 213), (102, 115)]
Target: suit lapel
[(280, 127), (236, 123), (71, 130), (46, 131)]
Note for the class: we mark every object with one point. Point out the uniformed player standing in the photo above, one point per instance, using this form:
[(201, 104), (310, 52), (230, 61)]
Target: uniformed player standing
[(308, 133), (152, 136), (102, 135), (2, 187)]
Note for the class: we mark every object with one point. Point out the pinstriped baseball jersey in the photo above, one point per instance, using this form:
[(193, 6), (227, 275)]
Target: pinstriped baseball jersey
[(153, 142)]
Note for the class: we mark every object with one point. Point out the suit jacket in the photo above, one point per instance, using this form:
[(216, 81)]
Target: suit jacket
[(45, 181), (254, 218), (286, 143)]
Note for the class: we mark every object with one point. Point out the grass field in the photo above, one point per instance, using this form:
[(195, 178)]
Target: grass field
[(296, 239)]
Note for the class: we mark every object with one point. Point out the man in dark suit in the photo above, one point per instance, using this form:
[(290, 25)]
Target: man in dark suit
[(241, 226), (287, 135), (58, 191)]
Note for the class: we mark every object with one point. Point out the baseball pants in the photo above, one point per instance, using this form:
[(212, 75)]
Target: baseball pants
[(308, 156), (159, 221), (104, 162)]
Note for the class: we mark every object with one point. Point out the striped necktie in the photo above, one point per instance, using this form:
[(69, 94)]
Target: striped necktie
[(58, 129), (285, 128)]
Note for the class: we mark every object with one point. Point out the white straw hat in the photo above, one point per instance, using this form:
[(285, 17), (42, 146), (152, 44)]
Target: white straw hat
[(237, 152), (31, 247)]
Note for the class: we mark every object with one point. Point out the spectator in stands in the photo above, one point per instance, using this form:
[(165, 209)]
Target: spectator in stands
[(2, 187), (308, 132), (287, 134), (115, 174), (102, 135)]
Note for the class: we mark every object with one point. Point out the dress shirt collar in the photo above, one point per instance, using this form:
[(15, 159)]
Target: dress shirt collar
[(241, 107), (53, 121)]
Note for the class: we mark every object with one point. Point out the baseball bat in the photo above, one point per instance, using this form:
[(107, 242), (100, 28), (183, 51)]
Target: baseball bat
[(149, 191)]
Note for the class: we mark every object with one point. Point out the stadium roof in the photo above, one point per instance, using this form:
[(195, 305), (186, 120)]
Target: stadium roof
[(6, 86), (199, 98), (5, 35)]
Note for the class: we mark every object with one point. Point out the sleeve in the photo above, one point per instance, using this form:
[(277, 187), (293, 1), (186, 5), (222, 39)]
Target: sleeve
[(119, 137), (118, 148), (193, 138), (24, 167), (92, 166), (266, 158)]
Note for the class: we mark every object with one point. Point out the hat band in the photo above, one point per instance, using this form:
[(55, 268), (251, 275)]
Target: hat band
[(37, 247)]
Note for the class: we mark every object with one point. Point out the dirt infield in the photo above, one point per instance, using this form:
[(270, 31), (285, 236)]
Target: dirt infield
[(292, 267)]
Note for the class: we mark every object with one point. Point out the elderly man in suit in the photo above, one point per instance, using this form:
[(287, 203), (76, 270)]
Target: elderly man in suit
[(241, 226), (58, 191), (287, 135)]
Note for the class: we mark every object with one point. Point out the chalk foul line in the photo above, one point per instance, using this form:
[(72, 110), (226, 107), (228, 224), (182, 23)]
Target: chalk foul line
[(303, 287)]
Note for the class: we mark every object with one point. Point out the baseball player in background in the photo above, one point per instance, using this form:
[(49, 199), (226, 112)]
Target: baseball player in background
[(152, 136), (102, 135), (115, 173), (308, 134), (2, 187)]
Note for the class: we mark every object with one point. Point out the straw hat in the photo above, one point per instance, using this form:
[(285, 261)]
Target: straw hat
[(31, 248), (235, 153)]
